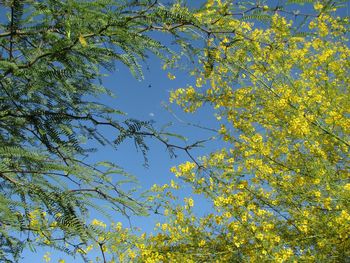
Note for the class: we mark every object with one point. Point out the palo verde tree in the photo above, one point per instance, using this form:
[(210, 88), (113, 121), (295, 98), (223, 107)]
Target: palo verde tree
[(51, 56), (277, 77)]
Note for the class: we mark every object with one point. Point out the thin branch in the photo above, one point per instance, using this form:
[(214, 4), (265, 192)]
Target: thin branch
[(11, 33)]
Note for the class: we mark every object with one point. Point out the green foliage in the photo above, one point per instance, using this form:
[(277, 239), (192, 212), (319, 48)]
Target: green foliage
[(51, 55)]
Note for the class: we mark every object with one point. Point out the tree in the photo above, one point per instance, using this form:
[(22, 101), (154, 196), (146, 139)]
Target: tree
[(51, 56), (278, 80)]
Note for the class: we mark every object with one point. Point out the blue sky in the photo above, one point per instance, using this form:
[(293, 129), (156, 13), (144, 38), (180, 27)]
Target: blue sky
[(143, 100)]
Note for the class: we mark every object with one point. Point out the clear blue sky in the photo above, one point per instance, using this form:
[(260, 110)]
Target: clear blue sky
[(144, 102)]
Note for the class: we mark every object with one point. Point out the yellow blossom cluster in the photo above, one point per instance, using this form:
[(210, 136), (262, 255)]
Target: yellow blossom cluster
[(280, 191)]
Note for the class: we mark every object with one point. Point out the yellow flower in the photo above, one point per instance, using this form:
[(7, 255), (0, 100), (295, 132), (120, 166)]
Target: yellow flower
[(189, 202), (47, 257), (202, 243), (82, 41), (171, 76), (347, 187), (318, 6), (96, 222)]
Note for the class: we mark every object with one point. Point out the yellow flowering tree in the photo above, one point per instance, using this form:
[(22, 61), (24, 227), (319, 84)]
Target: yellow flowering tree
[(280, 187), (278, 190)]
